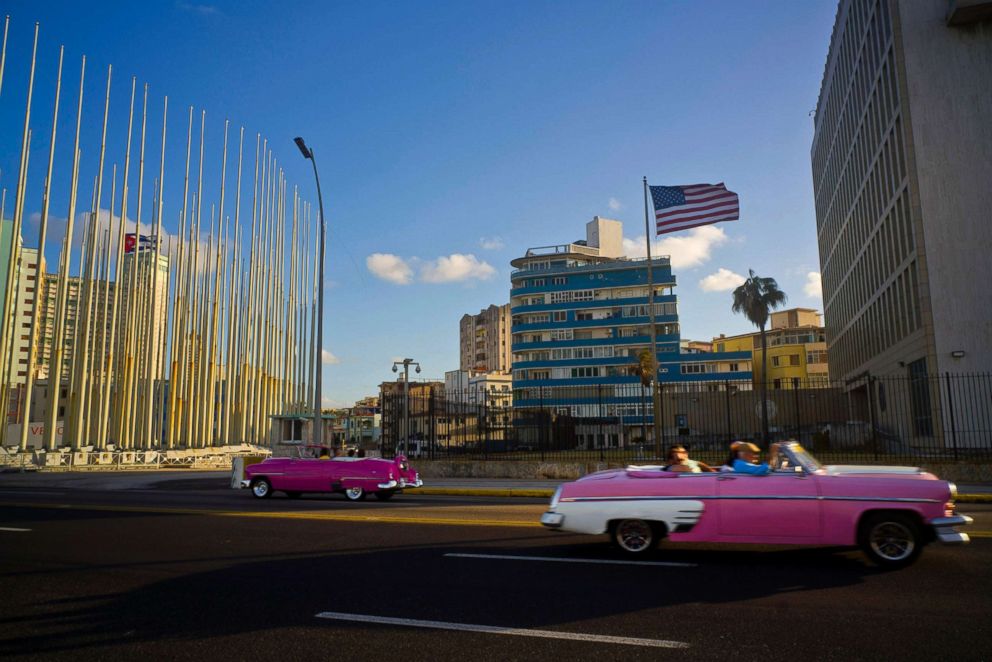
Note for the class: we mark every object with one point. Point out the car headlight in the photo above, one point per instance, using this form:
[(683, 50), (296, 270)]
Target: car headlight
[(555, 498)]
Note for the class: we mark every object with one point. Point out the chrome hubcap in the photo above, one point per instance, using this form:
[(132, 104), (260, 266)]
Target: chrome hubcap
[(261, 489), (633, 535), (354, 492), (892, 541)]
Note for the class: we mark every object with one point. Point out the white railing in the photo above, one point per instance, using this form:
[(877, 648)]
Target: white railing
[(122, 460)]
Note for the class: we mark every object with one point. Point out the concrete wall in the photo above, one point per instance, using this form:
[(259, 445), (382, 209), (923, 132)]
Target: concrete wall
[(949, 81)]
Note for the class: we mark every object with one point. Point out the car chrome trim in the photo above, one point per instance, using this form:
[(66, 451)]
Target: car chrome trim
[(942, 527), (245, 483), (782, 497), (388, 486), (552, 520)]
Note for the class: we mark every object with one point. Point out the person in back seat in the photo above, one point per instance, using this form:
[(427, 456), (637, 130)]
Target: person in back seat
[(678, 460)]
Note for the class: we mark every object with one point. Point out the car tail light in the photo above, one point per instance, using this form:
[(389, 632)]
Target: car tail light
[(949, 509)]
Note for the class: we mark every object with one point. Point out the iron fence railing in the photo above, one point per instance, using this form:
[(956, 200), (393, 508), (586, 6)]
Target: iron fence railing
[(871, 419)]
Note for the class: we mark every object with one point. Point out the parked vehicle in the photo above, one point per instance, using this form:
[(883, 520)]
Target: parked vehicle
[(890, 512), (355, 477)]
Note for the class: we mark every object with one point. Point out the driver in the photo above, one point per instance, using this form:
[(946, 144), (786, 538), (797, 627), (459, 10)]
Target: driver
[(745, 458)]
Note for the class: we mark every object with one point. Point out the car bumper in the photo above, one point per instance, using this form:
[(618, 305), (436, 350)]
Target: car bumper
[(245, 483), (552, 520), (943, 528), (401, 484)]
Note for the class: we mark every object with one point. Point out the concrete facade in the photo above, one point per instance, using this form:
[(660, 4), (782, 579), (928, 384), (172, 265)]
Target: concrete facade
[(484, 340), (902, 160)]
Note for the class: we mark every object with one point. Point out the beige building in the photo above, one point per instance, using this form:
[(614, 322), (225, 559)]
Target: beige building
[(148, 348), (902, 161), (485, 340)]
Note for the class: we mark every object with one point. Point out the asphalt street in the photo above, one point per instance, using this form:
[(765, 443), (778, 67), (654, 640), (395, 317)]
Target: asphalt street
[(186, 569)]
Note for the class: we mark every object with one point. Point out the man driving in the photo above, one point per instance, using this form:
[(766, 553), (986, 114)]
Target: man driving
[(745, 458)]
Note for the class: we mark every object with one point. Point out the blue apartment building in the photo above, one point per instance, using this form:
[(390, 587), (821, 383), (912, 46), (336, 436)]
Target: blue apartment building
[(580, 319)]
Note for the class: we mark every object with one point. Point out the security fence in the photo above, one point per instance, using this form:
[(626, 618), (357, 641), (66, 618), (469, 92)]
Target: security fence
[(869, 420)]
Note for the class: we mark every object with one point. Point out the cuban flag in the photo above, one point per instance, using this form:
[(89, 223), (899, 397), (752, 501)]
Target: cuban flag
[(683, 207), (139, 242)]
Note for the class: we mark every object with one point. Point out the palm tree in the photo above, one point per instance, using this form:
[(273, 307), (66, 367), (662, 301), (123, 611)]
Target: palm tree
[(647, 369), (756, 298)]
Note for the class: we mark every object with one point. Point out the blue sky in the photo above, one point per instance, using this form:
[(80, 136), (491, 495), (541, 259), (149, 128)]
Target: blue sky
[(451, 137)]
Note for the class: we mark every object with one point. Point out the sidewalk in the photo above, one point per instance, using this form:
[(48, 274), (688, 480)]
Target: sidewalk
[(483, 487)]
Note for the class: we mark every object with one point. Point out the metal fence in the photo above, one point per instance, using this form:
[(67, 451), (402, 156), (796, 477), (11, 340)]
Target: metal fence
[(869, 420)]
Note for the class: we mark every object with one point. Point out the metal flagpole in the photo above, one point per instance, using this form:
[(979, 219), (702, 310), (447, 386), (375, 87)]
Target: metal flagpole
[(131, 307), (3, 51), (224, 237), (155, 335), (61, 297), (232, 314), (39, 273), (178, 311), (250, 340), (98, 360), (656, 393), (8, 329)]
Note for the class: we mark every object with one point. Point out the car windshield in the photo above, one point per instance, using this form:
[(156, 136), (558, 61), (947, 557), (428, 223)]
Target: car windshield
[(793, 455)]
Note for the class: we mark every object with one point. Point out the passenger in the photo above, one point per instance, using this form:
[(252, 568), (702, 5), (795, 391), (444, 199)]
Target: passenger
[(744, 458), (324, 455), (351, 452), (678, 460)]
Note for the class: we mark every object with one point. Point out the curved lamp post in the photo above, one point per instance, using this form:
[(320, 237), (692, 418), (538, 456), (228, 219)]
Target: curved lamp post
[(318, 354), (406, 363)]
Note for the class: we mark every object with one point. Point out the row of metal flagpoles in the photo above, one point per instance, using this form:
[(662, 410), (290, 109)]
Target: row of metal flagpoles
[(183, 343)]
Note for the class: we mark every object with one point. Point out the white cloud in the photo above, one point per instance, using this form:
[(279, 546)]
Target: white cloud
[(615, 205), (456, 267), (491, 243), (723, 280), (813, 287), (327, 358), (686, 251), (390, 267)]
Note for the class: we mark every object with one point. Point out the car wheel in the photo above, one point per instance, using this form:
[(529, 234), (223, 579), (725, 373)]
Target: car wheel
[(354, 494), (891, 540), (385, 495), (261, 488), (294, 495), (634, 536)]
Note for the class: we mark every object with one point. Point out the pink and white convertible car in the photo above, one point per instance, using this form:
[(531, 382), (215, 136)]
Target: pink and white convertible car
[(890, 512), (354, 477)]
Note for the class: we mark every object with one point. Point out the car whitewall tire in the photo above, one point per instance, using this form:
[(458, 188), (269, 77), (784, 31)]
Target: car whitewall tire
[(261, 488), (634, 536), (354, 494)]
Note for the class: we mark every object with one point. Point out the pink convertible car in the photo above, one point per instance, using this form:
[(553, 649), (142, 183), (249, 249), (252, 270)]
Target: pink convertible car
[(890, 512), (354, 477)]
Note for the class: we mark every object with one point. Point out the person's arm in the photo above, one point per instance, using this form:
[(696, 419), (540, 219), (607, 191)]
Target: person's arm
[(705, 467), (742, 467)]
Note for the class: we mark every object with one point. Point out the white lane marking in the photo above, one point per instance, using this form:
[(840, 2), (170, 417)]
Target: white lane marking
[(567, 560), (494, 629), (10, 528)]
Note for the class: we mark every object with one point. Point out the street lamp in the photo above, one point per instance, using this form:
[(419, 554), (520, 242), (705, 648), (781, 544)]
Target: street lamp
[(317, 418), (406, 363)]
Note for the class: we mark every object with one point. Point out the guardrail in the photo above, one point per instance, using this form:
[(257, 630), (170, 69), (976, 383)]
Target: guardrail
[(125, 460)]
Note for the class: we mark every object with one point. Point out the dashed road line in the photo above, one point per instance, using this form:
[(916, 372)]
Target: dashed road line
[(552, 559), (495, 629)]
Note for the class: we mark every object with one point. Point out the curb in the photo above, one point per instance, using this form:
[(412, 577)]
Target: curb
[(546, 493), (484, 492)]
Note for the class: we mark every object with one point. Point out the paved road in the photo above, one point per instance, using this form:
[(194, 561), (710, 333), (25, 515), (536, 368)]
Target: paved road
[(186, 569)]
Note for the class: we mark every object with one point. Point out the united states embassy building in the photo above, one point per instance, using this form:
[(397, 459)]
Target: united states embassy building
[(580, 320), (902, 176)]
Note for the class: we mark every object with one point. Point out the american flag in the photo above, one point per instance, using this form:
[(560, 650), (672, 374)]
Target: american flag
[(142, 242), (683, 207)]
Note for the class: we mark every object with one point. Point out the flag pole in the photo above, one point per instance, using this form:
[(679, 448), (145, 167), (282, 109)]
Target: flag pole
[(61, 297), (39, 272), (232, 314), (10, 303), (3, 51), (154, 334), (656, 391)]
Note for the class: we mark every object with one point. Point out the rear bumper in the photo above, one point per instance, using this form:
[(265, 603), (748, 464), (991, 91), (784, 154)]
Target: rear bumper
[(552, 520), (402, 484), (943, 528), (245, 483)]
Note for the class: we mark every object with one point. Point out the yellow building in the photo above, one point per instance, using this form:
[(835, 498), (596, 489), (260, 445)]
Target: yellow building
[(797, 349)]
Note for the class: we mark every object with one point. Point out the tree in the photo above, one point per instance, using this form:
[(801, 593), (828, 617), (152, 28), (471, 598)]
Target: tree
[(646, 369), (755, 299)]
